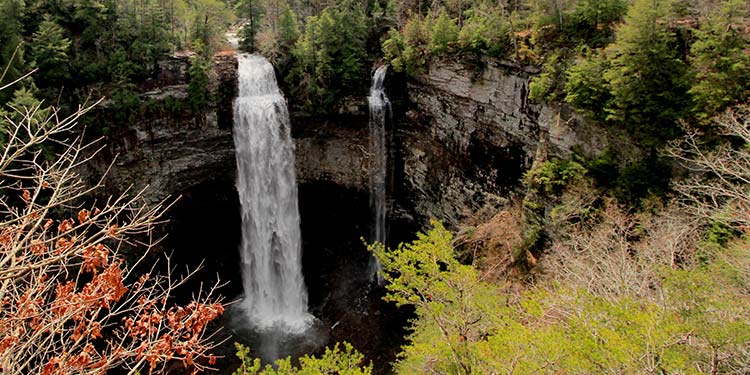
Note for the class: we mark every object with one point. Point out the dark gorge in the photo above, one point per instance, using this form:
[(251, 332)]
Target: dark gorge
[(456, 146)]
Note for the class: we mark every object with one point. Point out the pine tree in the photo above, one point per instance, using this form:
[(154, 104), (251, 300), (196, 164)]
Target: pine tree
[(646, 76), (288, 28), (720, 60), (594, 19), (330, 55), (252, 12), (198, 86), (49, 51), (11, 44), (585, 88), (443, 34), (22, 107), (485, 31), (600, 12)]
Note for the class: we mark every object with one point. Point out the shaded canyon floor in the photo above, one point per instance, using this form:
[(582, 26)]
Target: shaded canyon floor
[(205, 227)]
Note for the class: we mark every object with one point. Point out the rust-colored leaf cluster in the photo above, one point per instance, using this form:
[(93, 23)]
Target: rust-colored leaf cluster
[(68, 303)]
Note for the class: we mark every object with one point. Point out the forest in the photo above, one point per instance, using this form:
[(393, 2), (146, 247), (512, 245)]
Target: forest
[(633, 259)]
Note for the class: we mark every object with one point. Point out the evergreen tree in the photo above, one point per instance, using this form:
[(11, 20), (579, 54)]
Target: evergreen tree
[(288, 28), (443, 34), (11, 47), (17, 109), (720, 60), (252, 12), (198, 85), (593, 19), (585, 88), (600, 12), (49, 51), (330, 55), (485, 31), (210, 22), (646, 76), (393, 50)]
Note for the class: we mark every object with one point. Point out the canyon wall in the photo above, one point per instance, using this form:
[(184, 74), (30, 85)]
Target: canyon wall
[(470, 133), (332, 149), (167, 148), (461, 140)]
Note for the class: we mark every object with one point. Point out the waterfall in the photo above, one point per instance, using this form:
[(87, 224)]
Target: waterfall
[(275, 294), (380, 112)]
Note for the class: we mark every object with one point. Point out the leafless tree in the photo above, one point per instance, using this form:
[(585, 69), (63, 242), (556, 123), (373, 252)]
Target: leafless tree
[(719, 188), (621, 254), (70, 305)]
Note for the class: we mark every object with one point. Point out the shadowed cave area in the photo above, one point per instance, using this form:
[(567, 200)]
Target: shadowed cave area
[(205, 226)]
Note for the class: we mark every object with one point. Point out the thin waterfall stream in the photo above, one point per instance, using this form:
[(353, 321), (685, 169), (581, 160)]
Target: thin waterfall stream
[(380, 112), (275, 294)]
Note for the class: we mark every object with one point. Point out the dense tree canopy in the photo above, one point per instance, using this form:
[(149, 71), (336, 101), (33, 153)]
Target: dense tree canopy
[(720, 60), (79, 45), (647, 77)]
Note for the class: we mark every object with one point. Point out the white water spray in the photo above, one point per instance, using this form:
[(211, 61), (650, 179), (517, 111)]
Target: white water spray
[(380, 112), (275, 294)]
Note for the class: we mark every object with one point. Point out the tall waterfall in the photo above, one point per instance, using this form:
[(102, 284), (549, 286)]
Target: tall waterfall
[(380, 112), (275, 294)]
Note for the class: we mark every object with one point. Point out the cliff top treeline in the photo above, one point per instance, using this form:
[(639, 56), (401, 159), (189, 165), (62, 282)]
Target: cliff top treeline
[(93, 48), (642, 65)]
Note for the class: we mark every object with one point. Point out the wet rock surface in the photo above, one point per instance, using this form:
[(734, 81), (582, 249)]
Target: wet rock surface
[(332, 149)]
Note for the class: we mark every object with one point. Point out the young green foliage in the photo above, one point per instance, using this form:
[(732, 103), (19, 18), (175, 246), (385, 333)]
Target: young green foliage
[(693, 320), (485, 31), (443, 34), (407, 50), (339, 361), (450, 300)]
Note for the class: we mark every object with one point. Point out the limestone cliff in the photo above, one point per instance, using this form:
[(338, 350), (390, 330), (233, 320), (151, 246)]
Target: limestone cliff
[(167, 148), (461, 140), (332, 149), (469, 135)]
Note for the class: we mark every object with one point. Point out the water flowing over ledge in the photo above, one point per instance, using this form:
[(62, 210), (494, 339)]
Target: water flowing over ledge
[(380, 112), (275, 294)]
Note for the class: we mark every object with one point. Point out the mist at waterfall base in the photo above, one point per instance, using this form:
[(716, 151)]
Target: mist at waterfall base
[(380, 113), (273, 314)]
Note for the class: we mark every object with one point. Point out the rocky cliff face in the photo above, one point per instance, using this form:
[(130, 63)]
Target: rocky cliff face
[(469, 135), (461, 140), (333, 149), (167, 148)]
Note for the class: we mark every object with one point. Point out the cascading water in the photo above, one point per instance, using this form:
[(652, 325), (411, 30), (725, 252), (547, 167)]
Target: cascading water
[(380, 112), (275, 294)]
